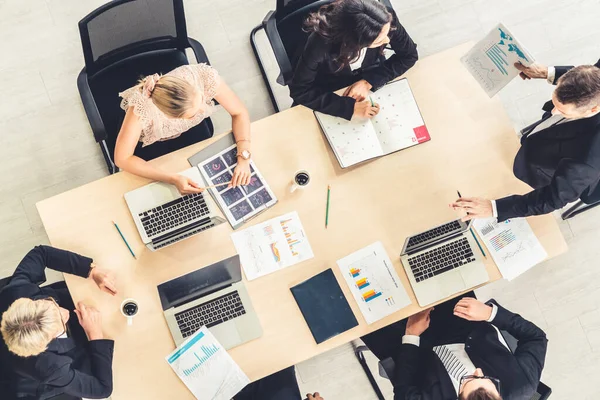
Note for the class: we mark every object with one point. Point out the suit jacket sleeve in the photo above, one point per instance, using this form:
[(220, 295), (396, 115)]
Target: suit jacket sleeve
[(32, 268), (408, 369), (98, 384), (405, 56), (532, 342), (561, 70), (304, 90), (568, 183)]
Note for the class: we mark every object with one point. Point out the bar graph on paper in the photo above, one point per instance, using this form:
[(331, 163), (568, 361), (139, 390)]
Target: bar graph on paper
[(272, 245), (374, 283), (491, 61), (206, 368), (207, 352)]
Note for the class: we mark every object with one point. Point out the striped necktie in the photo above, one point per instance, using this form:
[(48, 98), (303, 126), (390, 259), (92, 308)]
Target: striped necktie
[(453, 365)]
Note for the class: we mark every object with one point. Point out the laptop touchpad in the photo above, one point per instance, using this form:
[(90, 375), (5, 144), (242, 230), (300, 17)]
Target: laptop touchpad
[(227, 334)]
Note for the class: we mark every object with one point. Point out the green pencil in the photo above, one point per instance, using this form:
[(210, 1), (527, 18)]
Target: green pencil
[(327, 207), (372, 104), (125, 240)]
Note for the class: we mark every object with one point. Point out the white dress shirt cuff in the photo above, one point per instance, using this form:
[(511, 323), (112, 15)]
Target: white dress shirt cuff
[(411, 339), (551, 75), (492, 316), (494, 209)]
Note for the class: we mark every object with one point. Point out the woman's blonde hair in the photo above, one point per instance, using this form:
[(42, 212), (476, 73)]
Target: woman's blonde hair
[(29, 325), (171, 95)]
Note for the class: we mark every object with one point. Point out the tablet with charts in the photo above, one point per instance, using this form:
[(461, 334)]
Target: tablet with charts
[(241, 203)]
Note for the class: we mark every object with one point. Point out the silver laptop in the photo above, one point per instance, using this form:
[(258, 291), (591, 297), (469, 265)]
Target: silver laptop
[(163, 216), (443, 261), (214, 296)]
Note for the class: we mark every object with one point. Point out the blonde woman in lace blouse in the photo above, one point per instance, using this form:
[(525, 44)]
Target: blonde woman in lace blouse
[(164, 107)]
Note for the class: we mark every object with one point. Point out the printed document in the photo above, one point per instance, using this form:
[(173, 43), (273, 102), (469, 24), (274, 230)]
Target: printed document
[(374, 282), (491, 61), (273, 245), (512, 244), (206, 368)]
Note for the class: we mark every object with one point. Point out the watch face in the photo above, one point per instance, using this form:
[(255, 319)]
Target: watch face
[(246, 154)]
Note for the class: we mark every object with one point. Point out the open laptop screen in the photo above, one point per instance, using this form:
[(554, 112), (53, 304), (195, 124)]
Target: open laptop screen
[(199, 283)]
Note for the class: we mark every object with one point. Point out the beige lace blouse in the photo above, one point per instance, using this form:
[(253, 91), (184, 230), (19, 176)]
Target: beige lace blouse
[(156, 125)]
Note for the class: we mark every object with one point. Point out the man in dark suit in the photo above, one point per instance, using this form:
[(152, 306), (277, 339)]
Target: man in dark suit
[(559, 155), (456, 349), (49, 348)]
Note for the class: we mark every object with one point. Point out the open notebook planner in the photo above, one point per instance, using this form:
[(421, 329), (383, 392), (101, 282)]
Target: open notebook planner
[(398, 125)]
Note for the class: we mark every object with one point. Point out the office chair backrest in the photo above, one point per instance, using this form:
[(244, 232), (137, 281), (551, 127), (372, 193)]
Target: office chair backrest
[(123, 28), (289, 17), (591, 197)]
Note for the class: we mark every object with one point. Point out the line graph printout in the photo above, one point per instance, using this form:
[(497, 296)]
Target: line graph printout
[(512, 244), (374, 282), (491, 61), (206, 368), (272, 245)]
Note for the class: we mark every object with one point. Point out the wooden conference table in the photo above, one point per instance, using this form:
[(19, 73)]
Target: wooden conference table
[(471, 149)]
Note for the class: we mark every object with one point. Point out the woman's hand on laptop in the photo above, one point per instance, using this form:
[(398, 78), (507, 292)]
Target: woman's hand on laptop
[(185, 185), (474, 207)]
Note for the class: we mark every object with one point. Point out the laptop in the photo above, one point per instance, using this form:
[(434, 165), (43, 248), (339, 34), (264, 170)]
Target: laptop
[(442, 261), (214, 296), (163, 216)]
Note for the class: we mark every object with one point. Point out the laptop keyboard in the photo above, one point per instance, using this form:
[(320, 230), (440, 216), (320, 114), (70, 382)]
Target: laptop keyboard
[(214, 312), (441, 259), (173, 214), (434, 233)]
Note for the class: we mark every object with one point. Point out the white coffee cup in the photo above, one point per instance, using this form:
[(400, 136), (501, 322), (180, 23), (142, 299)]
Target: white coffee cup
[(129, 309), (301, 180)]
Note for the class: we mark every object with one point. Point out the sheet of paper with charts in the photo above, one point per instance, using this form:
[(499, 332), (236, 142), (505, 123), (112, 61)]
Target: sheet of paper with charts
[(272, 245), (491, 61), (374, 282), (240, 203), (512, 244), (206, 368), (398, 125)]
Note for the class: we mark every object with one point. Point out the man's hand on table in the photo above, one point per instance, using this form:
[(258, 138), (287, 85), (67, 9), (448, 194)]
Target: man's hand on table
[(472, 310), (474, 207), (418, 323)]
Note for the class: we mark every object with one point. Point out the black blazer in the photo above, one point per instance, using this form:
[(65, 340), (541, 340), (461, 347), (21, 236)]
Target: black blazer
[(66, 367), (560, 162), (420, 375), (561, 70), (316, 75)]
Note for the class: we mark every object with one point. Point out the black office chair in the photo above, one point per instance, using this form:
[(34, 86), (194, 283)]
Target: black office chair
[(123, 41), (586, 202), (283, 27), (386, 369)]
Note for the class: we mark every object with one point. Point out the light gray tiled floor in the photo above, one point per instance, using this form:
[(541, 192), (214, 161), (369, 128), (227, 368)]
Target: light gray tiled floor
[(46, 147)]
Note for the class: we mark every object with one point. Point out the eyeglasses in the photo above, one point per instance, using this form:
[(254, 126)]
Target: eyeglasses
[(467, 378), (59, 313)]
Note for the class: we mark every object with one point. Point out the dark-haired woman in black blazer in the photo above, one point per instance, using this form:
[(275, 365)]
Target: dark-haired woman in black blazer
[(345, 48)]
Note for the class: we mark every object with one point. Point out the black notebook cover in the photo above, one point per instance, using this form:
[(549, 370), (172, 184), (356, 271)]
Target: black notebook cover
[(324, 306)]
